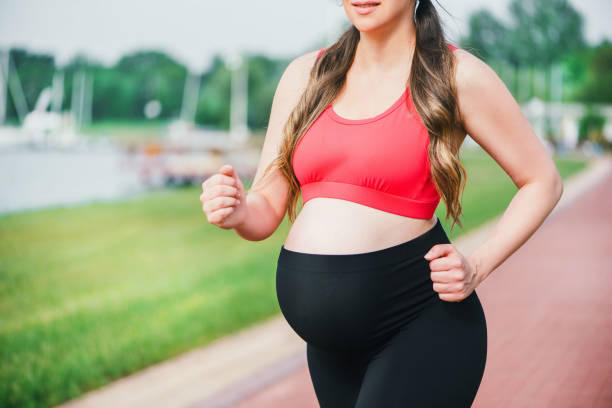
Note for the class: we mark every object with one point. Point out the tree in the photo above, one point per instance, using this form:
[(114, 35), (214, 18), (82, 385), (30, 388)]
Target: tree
[(539, 34), (598, 84)]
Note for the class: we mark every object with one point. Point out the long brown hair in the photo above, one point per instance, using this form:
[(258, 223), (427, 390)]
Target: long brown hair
[(432, 88)]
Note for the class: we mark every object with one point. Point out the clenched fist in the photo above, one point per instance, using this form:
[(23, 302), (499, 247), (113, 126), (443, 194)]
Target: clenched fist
[(224, 198), (454, 277)]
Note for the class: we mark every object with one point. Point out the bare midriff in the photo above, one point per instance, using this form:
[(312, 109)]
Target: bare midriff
[(336, 226)]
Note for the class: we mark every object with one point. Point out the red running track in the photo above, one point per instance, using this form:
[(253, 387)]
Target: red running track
[(549, 318)]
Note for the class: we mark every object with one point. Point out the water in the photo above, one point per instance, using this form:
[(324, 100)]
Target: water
[(35, 179)]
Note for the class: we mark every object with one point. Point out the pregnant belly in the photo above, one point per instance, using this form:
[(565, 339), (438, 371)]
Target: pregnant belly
[(340, 304), (336, 226)]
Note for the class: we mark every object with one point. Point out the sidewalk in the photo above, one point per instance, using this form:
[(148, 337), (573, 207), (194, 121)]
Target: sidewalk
[(548, 310)]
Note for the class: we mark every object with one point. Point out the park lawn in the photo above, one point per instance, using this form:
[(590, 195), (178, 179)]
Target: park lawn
[(91, 293), (489, 189), (128, 129)]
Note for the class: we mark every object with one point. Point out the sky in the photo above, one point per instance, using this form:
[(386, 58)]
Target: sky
[(192, 31)]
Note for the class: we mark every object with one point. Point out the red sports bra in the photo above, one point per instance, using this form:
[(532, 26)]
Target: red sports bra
[(380, 162)]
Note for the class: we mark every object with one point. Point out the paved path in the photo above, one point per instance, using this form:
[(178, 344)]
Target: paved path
[(550, 313), (548, 310), (549, 318)]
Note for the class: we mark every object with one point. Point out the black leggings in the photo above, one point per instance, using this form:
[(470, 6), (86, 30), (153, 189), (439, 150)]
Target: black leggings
[(377, 333)]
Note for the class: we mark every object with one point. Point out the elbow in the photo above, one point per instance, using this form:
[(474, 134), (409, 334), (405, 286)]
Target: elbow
[(555, 188), (550, 185), (251, 233), (261, 220), (558, 186)]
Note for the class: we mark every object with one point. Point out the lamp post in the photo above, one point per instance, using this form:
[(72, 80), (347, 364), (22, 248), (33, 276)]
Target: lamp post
[(238, 66)]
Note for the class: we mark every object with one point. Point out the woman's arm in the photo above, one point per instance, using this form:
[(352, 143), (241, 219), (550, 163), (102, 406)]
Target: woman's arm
[(267, 202), (494, 120)]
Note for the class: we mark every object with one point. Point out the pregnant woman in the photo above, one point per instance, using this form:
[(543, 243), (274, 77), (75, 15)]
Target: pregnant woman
[(368, 130)]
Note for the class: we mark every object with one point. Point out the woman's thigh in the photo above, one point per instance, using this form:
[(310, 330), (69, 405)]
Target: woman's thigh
[(336, 377), (436, 360)]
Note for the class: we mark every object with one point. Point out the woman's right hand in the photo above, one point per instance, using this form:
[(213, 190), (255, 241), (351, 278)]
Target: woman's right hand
[(223, 198)]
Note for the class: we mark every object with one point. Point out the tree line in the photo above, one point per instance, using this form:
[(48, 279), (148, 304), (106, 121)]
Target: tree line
[(540, 34)]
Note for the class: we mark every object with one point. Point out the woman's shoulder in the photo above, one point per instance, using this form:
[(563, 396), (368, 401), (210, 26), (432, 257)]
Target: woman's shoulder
[(468, 66), (296, 74), (475, 79), (305, 62)]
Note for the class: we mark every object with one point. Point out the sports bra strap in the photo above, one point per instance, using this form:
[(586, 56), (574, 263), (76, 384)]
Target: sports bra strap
[(321, 52)]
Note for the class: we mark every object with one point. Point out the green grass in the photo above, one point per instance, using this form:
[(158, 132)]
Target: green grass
[(128, 129), (90, 294), (489, 189)]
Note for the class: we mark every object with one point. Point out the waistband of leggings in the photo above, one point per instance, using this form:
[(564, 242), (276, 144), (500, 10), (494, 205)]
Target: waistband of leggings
[(417, 246)]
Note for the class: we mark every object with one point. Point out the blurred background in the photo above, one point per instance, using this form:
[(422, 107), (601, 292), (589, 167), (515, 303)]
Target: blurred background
[(113, 113)]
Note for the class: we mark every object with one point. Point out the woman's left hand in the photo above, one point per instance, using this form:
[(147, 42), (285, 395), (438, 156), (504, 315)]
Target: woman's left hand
[(454, 276)]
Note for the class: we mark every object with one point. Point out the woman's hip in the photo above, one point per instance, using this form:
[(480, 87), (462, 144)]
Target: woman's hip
[(357, 301)]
